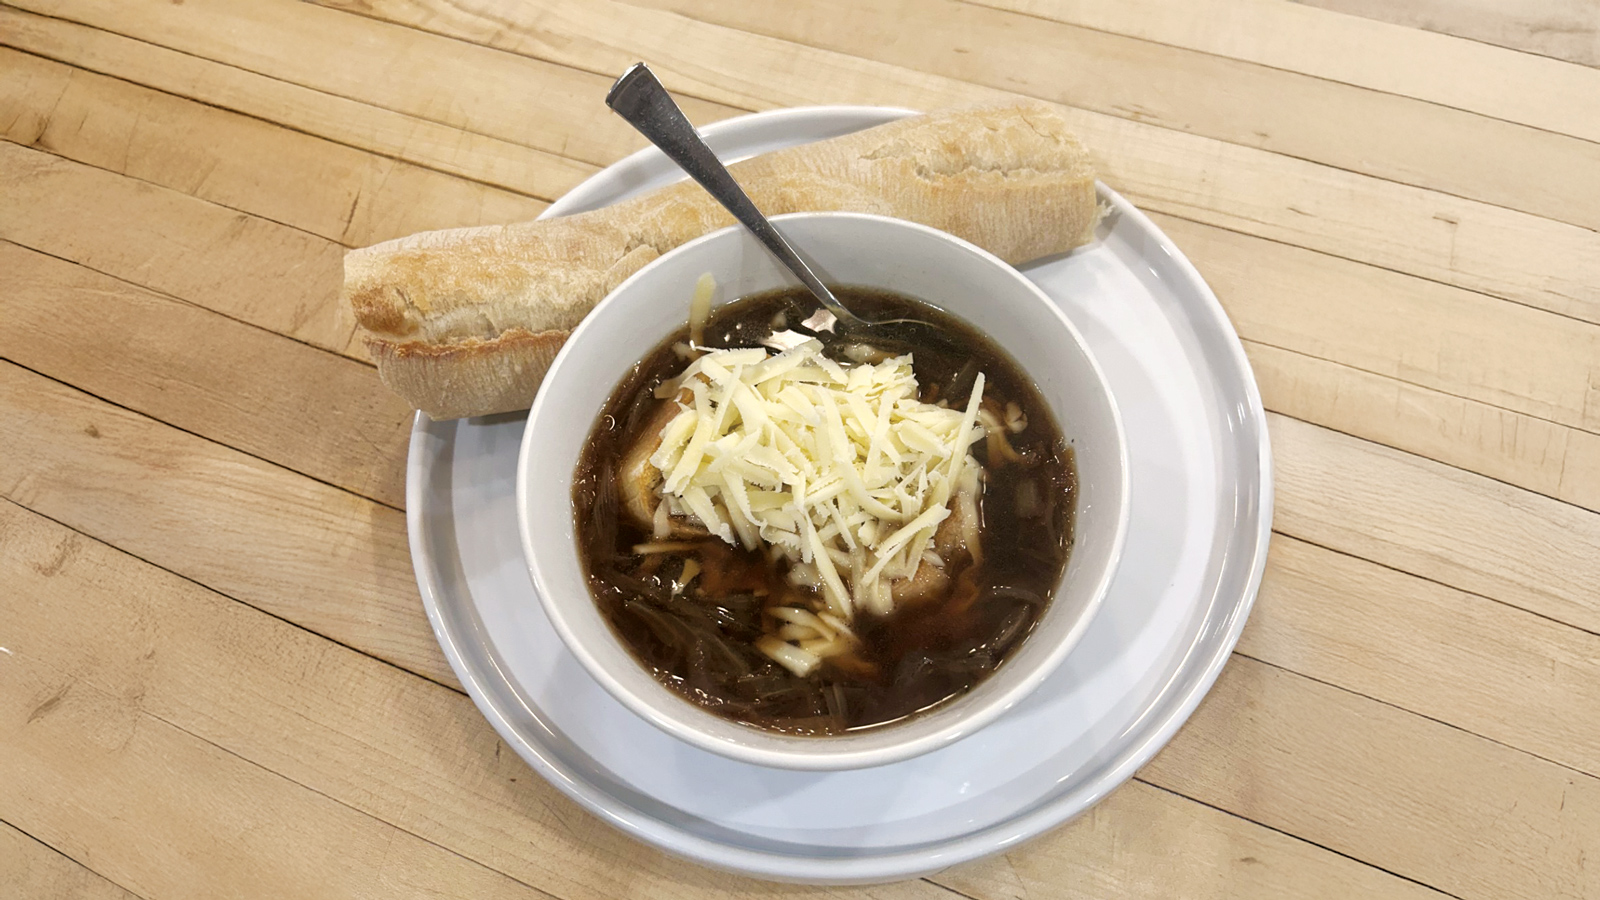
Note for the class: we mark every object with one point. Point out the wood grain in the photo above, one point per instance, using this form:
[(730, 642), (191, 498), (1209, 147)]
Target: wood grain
[(223, 380), (1365, 779), (1422, 332), (36, 871), (247, 268), (416, 755), (292, 42), (1138, 843), (1449, 525), (338, 119), (1518, 449), (346, 195), (1297, 37), (1564, 29), (1516, 678), (166, 814), (1380, 134), (252, 530)]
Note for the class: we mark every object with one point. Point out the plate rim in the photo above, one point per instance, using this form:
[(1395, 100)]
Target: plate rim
[(875, 867)]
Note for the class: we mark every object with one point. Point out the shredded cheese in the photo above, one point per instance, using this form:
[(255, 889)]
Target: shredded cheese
[(836, 467)]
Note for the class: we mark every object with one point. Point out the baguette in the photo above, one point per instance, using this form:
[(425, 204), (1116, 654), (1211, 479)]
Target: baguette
[(466, 321)]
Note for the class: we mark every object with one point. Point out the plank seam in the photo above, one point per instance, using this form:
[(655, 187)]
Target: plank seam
[(1258, 341), (144, 415), (1473, 40), (1516, 487), (1295, 837), (34, 147), (190, 303), (69, 858), (1189, 217), (1250, 62), (211, 590), (287, 127), (1453, 727), (142, 710), (275, 464), (1444, 584), (946, 887)]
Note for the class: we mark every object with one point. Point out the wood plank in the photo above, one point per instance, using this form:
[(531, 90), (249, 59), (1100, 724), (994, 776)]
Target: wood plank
[(36, 871), (1138, 843), (335, 53), (1490, 669), (1562, 29), (1526, 451), (170, 815), (1384, 135), (1298, 37), (1418, 798), (420, 757), (321, 557), (1440, 237), (247, 268), (346, 195), (305, 409), (1419, 331), (1445, 524), (360, 125)]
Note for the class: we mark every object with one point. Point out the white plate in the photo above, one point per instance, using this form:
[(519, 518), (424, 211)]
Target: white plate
[(1196, 545)]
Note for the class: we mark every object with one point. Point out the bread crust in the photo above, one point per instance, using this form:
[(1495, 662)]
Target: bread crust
[(471, 376), (447, 312)]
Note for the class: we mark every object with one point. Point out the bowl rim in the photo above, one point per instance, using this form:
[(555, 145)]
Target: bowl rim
[(776, 750)]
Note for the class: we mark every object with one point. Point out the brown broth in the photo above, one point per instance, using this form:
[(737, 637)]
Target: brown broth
[(700, 641)]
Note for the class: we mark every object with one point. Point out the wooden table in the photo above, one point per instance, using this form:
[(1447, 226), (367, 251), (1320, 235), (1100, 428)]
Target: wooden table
[(217, 679)]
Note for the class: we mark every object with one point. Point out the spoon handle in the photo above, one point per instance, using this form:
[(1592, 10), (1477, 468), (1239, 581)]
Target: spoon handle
[(640, 99)]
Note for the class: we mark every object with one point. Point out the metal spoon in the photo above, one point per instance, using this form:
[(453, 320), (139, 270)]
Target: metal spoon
[(640, 99)]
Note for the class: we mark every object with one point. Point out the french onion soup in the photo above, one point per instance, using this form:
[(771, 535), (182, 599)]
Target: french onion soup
[(832, 537)]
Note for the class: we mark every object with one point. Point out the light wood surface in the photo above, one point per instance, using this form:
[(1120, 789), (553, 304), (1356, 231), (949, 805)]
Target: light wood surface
[(217, 679)]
